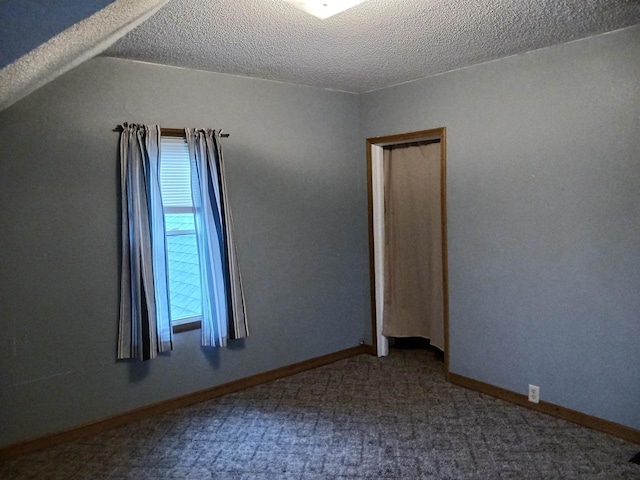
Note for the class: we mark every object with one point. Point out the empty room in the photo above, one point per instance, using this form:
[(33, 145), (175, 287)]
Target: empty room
[(273, 239)]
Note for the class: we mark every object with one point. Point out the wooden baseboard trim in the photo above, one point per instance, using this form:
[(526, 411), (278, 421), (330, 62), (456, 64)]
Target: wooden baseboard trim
[(369, 349), (51, 440), (595, 423)]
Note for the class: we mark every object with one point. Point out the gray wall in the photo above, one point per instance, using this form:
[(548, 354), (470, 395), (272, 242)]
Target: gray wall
[(293, 165), (544, 217), (544, 247)]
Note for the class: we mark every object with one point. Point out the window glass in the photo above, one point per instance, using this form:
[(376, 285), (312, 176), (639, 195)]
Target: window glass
[(182, 251)]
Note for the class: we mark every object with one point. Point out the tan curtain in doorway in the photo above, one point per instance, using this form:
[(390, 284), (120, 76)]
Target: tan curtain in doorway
[(413, 286)]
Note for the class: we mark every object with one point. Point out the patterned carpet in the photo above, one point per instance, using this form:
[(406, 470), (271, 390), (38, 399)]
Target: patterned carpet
[(361, 418)]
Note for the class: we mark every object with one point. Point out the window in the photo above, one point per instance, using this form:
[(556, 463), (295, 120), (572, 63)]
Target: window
[(201, 278), (182, 251)]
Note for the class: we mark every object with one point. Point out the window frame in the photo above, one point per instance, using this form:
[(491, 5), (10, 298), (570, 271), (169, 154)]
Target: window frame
[(188, 323)]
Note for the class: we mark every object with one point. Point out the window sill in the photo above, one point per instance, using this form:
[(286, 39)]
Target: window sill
[(185, 327)]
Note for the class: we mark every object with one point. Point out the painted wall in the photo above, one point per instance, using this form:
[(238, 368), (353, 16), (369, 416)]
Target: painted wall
[(293, 165), (544, 202), (544, 217), (26, 24)]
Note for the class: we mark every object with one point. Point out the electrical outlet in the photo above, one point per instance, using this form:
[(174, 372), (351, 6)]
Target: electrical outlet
[(534, 393)]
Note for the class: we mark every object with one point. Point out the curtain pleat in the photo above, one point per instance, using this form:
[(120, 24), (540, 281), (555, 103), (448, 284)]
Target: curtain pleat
[(145, 325), (223, 306)]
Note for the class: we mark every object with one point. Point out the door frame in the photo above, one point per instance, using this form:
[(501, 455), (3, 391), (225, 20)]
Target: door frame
[(375, 187)]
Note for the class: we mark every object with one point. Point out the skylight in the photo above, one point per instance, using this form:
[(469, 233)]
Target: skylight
[(324, 8)]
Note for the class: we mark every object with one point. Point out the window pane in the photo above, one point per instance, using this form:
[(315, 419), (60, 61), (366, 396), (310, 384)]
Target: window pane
[(178, 221), (182, 253), (184, 275)]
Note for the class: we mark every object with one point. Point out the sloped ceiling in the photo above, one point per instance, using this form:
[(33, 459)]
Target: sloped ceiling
[(82, 40), (374, 45), (26, 24)]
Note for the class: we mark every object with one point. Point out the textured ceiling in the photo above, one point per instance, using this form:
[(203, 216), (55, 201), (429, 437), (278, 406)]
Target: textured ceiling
[(18, 18), (374, 45), (72, 46)]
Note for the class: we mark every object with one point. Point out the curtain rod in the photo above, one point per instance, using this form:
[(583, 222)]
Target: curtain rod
[(171, 132)]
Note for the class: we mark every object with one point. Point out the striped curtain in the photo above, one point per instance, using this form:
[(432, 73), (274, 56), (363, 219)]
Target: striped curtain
[(223, 307), (145, 325)]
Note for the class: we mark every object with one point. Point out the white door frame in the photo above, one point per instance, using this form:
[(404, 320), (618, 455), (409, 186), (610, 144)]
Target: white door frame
[(375, 171), (377, 181)]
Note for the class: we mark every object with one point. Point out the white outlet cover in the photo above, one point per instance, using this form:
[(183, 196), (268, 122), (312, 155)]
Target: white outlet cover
[(324, 8), (534, 393)]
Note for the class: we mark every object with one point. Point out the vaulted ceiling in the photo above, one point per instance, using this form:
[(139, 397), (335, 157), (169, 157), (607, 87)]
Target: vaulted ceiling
[(376, 44)]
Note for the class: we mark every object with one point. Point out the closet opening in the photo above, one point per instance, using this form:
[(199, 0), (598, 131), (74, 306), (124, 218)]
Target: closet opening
[(408, 241)]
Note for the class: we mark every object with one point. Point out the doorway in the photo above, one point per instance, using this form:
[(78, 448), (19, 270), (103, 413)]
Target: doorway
[(380, 154)]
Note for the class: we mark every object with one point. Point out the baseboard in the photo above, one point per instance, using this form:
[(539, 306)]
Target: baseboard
[(370, 350), (612, 428), (51, 440)]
